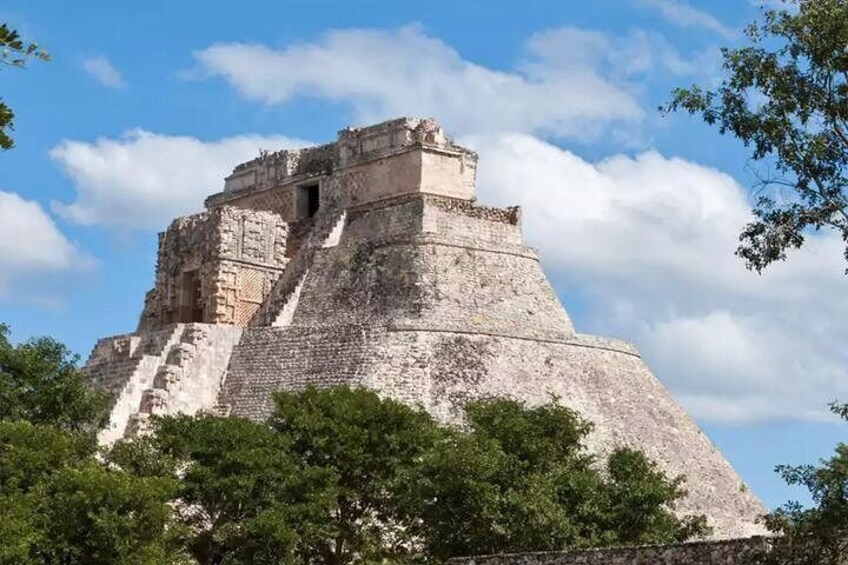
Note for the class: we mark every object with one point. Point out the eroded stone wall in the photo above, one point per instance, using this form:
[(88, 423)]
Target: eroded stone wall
[(427, 284), (397, 157), (405, 262), (216, 267)]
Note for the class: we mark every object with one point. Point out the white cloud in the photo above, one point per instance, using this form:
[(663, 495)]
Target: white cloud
[(649, 242), (682, 14), (103, 72), (560, 51), (31, 244), (571, 82), (144, 180)]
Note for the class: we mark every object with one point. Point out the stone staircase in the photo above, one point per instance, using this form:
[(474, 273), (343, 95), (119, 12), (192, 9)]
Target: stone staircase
[(286, 315), (124, 366), (281, 303), (188, 380)]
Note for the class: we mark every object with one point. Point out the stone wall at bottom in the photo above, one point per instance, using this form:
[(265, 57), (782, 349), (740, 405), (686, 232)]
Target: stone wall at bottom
[(723, 552)]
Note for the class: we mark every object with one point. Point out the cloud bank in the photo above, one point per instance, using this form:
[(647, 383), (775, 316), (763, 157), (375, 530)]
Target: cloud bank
[(569, 83), (648, 242), (31, 244), (143, 180), (680, 13)]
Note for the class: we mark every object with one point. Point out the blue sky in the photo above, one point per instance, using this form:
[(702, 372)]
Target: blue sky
[(146, 106)]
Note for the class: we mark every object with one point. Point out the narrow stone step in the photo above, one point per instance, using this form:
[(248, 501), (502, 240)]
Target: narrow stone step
[(290, 305)]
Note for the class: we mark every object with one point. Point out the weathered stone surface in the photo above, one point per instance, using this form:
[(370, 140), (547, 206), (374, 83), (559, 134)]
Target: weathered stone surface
[(215, 267), (177, 369), (378, 269)]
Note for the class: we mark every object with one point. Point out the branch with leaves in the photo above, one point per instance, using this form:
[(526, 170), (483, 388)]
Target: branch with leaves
[(818, 534), (14, 52), (785, 97)]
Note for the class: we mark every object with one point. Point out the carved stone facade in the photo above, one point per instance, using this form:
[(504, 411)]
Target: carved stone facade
[(367, 262), (215, 267)]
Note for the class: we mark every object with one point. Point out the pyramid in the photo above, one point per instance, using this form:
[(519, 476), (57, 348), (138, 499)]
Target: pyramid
[(367, 262)]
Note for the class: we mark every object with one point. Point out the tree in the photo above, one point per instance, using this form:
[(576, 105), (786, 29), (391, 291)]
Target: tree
[(316, 484), (364, 443), (786, 97), (340, 475), (521, 480), (14, 52), (242, 498), (40, 383), (59, 502), (817, 535), (92, 514), (28, 455)]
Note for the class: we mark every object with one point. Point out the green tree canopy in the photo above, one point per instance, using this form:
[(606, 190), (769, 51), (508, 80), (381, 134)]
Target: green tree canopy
[(40, 383), (14, 52), (59, 502), (816, 534), (243, 499), (786, 97), (520, 479), (343, 476), (317, 484)]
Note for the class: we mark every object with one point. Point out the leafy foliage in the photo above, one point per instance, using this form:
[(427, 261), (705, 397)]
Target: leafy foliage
[(314, 485), (29, 454), (343, 476), (92, 514), (363, 443), (241, 496), (521, 480), (817, 535), (40, 383), (59, 503), (335, 476), (786, 97), (14, 52)]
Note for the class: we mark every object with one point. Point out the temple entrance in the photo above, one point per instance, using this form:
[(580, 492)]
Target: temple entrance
[(191, 306), (308, 200)]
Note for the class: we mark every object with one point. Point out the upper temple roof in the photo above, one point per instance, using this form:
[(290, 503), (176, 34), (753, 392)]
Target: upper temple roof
[(415, 155), (354, 145)]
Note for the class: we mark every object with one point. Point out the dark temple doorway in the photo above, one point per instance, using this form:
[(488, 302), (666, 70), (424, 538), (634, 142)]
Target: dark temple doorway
[(192, 306), (309, 200)]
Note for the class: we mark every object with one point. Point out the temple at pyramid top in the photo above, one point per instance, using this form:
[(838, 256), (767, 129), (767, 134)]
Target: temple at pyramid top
[(225, 265), (394, 158)]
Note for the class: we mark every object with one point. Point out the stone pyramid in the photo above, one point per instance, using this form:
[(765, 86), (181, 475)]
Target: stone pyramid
[(368, 262)]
